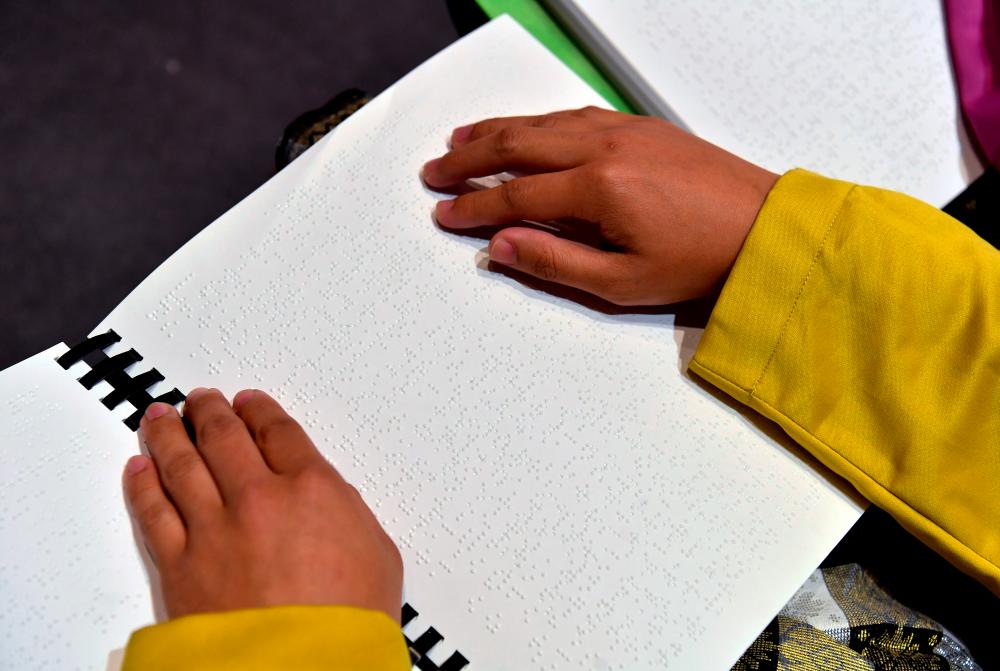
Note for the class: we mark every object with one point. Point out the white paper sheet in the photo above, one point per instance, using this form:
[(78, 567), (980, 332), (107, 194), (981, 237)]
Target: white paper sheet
[(72, 581), (860, 90), (563, 495)]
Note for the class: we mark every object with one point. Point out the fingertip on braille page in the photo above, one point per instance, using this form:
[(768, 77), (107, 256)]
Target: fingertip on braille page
[(429, 171), (503, 252), (242, 397), (154, 410), (442, 210), (461, 134), (136, 464)]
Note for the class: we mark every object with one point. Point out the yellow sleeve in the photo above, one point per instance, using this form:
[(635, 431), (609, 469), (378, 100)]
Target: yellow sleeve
[(304, 638), (867, 324)]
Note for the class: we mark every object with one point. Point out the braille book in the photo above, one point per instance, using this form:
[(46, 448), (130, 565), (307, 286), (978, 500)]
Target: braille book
[(563, 494), (858, 89)]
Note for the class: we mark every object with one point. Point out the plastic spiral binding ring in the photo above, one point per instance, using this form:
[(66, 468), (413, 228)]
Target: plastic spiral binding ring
[(420, 646), (112, 369)]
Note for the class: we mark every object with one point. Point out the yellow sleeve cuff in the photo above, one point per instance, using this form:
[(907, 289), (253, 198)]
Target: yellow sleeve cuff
[(331, 638), (767, 280), (867, 324)]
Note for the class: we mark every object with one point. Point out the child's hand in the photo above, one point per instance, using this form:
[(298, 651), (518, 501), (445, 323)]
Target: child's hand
[(672, 209), (252, 515)]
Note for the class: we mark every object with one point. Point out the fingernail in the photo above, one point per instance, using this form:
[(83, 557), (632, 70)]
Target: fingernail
[(461, 134), (242, 397), (503, 252), (154, 410), (443, 209), (136, 464)]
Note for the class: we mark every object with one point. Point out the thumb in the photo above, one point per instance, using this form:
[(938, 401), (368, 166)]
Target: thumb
[(554, 259)]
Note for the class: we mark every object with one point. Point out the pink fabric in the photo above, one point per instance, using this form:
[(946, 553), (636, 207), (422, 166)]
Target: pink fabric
[(974, 36)]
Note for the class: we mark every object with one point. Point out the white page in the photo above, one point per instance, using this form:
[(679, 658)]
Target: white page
[(861, 90), (71, 578), (563, 496)]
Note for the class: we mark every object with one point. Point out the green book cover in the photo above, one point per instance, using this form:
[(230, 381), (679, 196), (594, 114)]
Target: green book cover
[(539, 23)]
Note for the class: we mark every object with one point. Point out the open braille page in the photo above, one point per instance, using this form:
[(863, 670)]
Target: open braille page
[(71, 577), (861, 90), (563, 495)]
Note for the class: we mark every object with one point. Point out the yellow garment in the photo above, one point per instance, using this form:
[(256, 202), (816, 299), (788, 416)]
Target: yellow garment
[(303, 638), (867, 324)]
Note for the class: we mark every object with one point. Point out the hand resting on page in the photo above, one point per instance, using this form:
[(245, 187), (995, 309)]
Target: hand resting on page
[(672, 211), (250, 514)]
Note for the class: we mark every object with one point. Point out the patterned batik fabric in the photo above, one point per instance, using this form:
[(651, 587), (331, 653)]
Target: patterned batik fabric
[(840, 620)]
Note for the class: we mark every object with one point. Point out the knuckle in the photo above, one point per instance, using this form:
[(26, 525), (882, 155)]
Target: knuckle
[(181, 467), (482, 128), (607, 177), (277, 431), (153, 515), (546, 264), (507, 142), (513, 194), (142, 489), (547, 121), (218, 428)]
